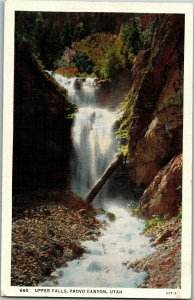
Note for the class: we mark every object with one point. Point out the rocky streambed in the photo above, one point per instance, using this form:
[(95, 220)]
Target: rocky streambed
[(164, 265), (48, 233)]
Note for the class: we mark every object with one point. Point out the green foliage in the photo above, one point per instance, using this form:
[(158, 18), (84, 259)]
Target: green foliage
[(122, 133), (147, 34), (59, 63), (44, 40), (102, 51), (71, 116), (180, 212), (132, 204), (124, 110), (113, 63), (41, 36), (146, 38), (85, 75), (123, 149), (52, 43), (83, 63), (154, 221), (81, 31), (47, 38), (136, 211), (130, 37), (37, 33), (66, 34), (130, 57)]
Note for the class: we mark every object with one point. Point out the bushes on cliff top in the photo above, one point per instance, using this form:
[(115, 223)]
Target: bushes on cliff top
[(102, 53), (102, 50)]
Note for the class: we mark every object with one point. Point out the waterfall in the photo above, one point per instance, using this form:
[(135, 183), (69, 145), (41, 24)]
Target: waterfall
[(92, 134), (103, 262), (93, 147), (80, 91)]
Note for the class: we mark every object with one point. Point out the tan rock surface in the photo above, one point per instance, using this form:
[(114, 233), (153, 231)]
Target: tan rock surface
[(155, 125), (163, 196)]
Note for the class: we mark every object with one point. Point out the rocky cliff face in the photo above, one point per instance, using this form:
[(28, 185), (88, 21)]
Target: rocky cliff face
[(164, 193), (41, 128), (155, 123)]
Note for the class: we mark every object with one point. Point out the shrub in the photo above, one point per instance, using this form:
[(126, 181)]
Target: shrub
[(102, 52), (67, 71), (123, 149), (154, 221)]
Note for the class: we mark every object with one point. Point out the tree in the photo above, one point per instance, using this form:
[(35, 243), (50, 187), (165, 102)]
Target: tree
[(114, 63), (131, 40), (81, 31), (147, 34), (84, 64)]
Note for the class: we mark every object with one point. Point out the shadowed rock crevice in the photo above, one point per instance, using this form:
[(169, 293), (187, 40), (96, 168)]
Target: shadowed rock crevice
[(41, 138)]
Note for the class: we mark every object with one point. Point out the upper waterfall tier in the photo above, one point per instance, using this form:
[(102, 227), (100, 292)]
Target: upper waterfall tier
[(81, 91)]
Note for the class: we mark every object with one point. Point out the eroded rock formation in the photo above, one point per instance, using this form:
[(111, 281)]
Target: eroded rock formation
[(164, 193), (155, 123)]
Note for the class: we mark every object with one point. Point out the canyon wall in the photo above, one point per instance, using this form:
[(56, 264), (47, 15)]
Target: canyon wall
[(156, 119), (41, 143)]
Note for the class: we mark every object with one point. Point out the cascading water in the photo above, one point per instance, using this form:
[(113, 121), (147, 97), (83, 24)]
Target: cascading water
[(80, 92), (93, 144), (102, 264), (92, 134)]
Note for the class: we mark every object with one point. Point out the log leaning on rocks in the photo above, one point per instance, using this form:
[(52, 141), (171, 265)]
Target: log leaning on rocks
[(117, 160)]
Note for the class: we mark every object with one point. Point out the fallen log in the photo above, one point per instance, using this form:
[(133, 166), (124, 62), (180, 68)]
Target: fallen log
[(105, 176)]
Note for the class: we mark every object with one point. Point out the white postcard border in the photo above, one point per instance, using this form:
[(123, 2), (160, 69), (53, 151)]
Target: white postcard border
[(80, 6)]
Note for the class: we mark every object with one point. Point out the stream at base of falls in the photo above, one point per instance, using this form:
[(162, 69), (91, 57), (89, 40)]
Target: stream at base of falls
[(103, 263)]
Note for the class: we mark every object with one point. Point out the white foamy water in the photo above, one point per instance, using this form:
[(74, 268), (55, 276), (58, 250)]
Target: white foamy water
[(102, 264), (80, 91), (93, 147)]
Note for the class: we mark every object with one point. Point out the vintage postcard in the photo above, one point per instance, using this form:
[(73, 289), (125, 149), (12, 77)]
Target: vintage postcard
[(97, 149)]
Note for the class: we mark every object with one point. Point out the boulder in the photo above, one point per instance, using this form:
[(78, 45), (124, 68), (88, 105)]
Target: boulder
[(111, 216)]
